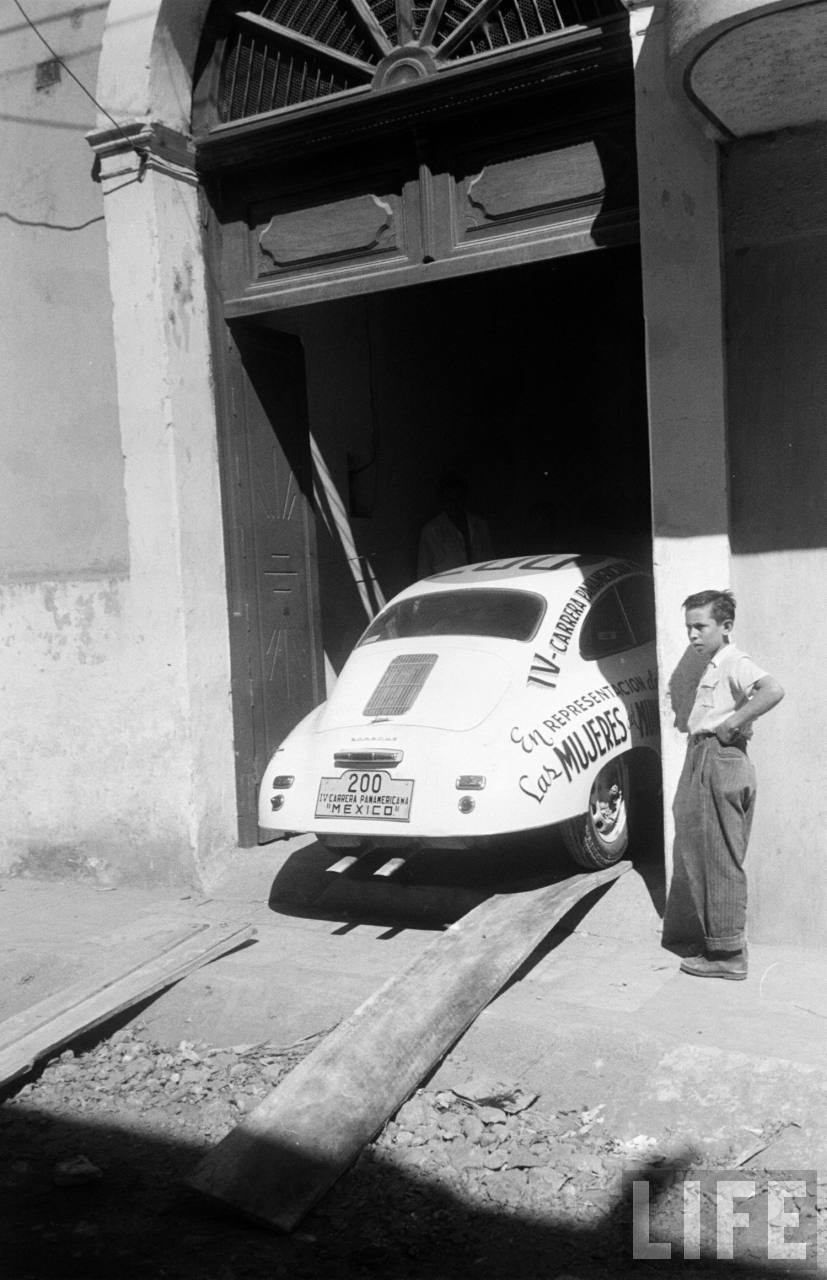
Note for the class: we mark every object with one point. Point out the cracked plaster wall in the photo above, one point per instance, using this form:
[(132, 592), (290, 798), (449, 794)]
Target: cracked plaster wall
[(93, 727), (61, 470), (116, 758)]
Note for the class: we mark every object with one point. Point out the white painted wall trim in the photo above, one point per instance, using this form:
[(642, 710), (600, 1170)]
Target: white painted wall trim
[(165, 398), (683, 306), (147, 59)]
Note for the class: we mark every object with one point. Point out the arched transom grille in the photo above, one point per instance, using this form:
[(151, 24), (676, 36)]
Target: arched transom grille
[(275, 54)]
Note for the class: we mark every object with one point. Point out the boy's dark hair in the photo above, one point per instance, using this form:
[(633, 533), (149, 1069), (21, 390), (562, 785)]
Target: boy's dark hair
[(722, 602)]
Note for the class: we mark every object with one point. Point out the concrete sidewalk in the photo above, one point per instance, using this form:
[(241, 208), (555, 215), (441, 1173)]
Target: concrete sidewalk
[(601, 1020)]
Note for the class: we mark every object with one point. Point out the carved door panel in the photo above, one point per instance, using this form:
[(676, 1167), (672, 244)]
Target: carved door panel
[(458, 202), (276, 601)]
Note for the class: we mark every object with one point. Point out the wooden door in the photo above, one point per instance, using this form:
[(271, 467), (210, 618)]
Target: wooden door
[(278, 665)]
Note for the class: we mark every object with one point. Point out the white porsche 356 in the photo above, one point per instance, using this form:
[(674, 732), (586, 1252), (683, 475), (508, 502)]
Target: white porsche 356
[(496, 698)]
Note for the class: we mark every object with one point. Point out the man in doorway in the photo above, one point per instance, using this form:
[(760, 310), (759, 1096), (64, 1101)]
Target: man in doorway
[(716, 792), (454, 537)]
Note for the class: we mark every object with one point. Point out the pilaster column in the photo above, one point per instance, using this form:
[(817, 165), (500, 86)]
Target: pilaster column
[(682, 297), (168, 426)]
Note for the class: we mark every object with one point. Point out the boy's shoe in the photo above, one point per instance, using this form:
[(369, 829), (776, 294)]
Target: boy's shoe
[(718, 964)]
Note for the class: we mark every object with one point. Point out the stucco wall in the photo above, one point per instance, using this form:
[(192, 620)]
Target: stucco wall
[(61, 470), (93, 772), (117, 738), (63, 536), (682, 294), (735, 271), (775, 219)]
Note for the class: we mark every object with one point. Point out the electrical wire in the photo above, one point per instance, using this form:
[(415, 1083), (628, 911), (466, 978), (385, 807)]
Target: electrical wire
[(157, 161), (78, 82), (143, 153)]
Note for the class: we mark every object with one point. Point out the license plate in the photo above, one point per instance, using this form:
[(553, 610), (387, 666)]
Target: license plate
[(363, 793)]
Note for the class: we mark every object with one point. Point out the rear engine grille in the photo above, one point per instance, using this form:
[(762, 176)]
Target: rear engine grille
[(401, 684)]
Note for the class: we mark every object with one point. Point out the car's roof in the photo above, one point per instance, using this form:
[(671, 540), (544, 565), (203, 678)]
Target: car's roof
[(554, 576)]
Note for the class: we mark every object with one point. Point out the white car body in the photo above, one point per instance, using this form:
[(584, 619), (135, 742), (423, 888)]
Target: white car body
[(445, 738)]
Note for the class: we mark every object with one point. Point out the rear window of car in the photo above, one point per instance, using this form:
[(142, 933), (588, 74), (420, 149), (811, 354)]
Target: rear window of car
[(506, 615)]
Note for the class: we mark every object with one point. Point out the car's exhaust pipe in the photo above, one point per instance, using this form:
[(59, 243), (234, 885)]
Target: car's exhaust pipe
[(389, 867), (344, 864)]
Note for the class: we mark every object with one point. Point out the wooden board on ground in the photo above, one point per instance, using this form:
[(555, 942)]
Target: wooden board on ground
[(53, 1022), (282, 1158)]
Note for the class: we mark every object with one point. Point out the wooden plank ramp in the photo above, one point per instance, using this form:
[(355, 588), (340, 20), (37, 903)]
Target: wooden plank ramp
[(52, 1023), (287, 1152)]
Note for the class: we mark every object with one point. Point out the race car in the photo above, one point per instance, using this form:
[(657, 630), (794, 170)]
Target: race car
[(492, 699)]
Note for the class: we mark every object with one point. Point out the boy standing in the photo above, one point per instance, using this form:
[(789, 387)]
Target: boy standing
[(716, 793)]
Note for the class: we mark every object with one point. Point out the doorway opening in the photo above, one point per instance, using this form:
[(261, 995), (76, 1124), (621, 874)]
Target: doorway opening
[(528, 381)]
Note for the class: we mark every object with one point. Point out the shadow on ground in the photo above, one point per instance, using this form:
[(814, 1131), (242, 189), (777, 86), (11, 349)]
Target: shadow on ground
[(434, 887), (140, 1220)]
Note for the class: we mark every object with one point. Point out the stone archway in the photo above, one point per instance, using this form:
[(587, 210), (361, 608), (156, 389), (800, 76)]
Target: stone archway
[(177, 599)]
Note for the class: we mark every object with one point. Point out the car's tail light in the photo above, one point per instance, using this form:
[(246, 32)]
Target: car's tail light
[(466, 804), (470, 782), (282, 782), (276, 803)]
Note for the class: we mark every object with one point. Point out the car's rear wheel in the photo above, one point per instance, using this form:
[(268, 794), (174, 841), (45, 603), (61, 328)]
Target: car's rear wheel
[(600, 837)]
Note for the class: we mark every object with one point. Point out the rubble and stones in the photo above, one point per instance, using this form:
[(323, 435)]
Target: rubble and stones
[(482, 1178)]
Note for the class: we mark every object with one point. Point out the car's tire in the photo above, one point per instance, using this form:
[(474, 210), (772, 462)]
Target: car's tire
[(600, 837)]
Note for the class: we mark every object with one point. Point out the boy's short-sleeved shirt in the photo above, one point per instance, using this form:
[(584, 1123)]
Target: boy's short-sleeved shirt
[(725, 685)]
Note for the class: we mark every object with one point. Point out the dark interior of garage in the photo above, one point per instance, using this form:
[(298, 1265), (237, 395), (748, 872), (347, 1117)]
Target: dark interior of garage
[(529, 381)]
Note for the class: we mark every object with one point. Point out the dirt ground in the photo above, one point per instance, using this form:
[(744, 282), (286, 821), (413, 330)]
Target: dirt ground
[(514, 1161), (477, 1180)]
